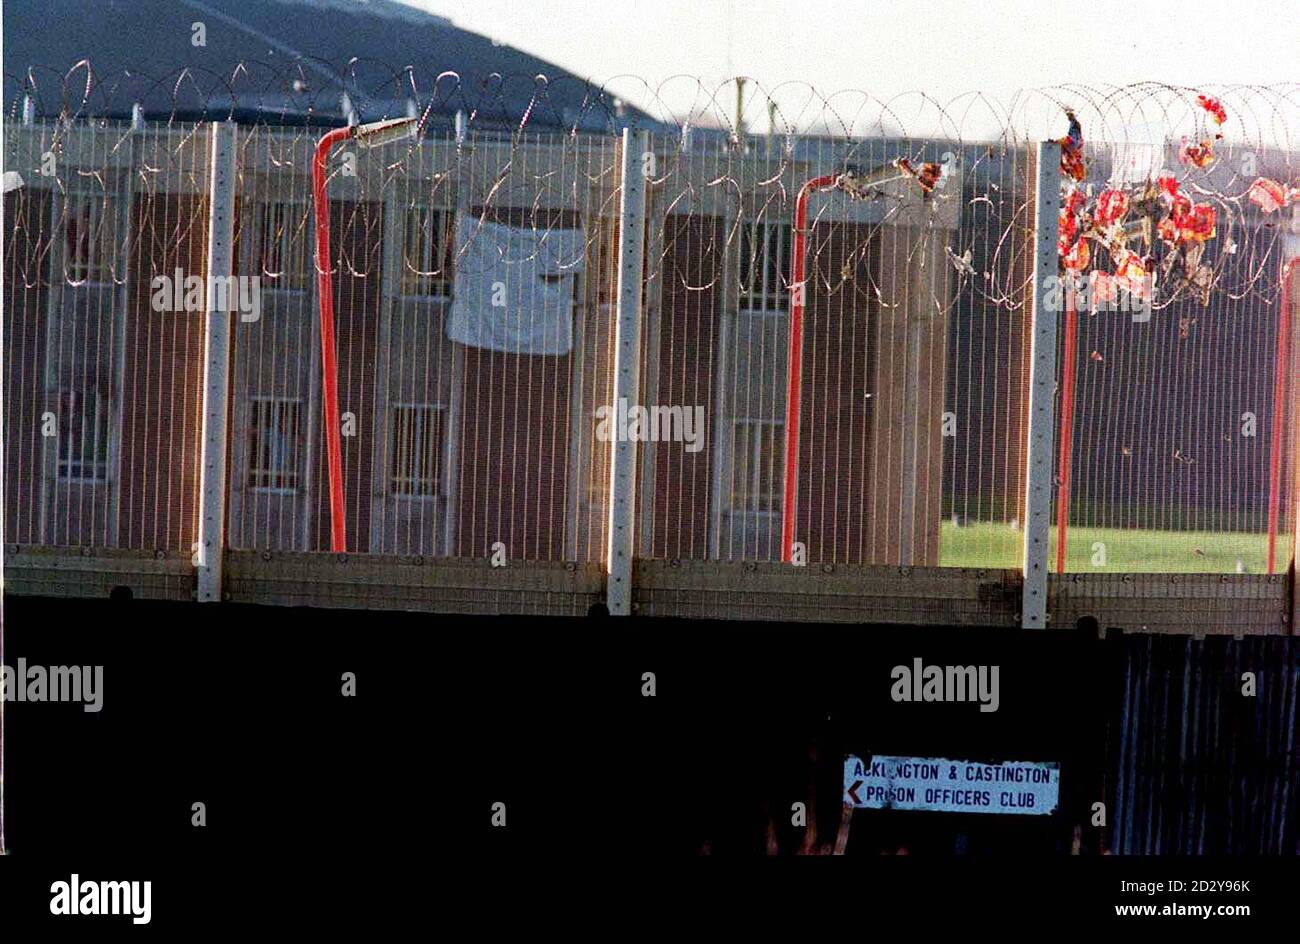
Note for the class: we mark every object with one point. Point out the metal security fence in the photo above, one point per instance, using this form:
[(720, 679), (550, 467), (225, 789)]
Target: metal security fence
[(101, 391), (912, 359), (1182, 412), (450, 448), (448, 364), (471, 281)]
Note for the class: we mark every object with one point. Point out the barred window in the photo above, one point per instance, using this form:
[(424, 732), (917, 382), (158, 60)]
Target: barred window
[(416, 450), (765, 248), (756, 473), (426, 254), (284, 246), (83, 436), (273, 444), (88, 235)]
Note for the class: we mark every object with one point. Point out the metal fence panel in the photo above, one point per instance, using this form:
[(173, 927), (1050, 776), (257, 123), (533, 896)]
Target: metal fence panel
[(449, 448), (102, 371), (474, 274)]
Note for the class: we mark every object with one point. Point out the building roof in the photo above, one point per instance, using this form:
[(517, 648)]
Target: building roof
[(289, 61)]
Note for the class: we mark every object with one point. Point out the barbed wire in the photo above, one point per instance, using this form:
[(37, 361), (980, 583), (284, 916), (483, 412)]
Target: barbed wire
[(803, 124), (307, 89)]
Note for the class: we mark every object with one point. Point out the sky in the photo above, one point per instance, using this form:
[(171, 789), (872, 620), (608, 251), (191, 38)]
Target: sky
[(888, 47)]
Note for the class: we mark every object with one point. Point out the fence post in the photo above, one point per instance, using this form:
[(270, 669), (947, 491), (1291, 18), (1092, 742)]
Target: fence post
[(216, 369), (627, 372), (1039, 473)]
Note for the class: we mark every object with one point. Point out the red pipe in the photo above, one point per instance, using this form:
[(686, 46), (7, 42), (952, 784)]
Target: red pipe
[(329, 367), (797, 293), (1065, 447), (1279, 407)]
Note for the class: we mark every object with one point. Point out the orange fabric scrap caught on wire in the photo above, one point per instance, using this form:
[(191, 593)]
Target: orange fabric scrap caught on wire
[(1112, 205), (1076, 259), (1198, 224), (1218, 114), (1269, 195), (1131, 273), (1103, 289), (928, 176), (1068, 229), (1188, 223), (1130, 266), (1200, 154), (1072, 150)]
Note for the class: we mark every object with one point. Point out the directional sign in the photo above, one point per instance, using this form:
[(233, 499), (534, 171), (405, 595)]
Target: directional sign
[(952, 786)]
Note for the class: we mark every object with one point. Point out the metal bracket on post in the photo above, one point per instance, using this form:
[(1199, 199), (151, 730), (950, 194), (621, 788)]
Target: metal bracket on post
[(1039, 473), (216, 369), (627, 372)]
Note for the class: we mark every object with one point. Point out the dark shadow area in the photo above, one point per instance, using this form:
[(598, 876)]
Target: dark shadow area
[(241, 708)]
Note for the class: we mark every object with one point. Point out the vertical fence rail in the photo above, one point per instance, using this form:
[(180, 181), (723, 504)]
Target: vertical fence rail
[(1042, 392), (216, 361), (627, 369)]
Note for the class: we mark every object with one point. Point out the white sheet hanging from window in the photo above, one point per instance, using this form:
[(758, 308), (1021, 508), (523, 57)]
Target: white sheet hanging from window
[(514, 286)]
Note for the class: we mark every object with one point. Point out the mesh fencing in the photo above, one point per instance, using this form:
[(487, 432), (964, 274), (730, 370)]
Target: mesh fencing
[(449, 448), (102, 396), (474, 278)]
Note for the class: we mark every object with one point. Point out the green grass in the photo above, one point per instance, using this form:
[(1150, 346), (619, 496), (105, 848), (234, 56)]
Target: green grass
[(1126, 550)]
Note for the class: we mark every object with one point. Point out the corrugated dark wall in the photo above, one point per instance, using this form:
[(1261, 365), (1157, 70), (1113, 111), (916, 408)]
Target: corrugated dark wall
[(1194, 765)]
